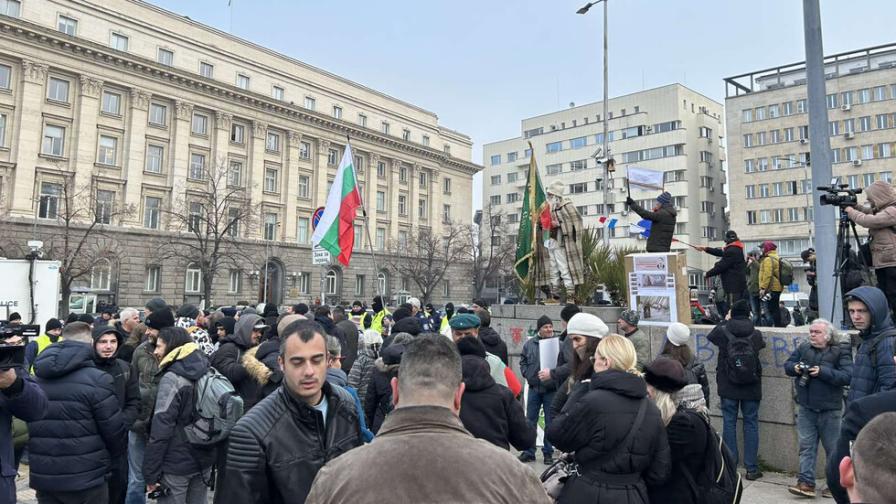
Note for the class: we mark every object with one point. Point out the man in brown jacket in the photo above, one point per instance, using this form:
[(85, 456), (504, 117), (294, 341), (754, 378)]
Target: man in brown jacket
[(432, 457)]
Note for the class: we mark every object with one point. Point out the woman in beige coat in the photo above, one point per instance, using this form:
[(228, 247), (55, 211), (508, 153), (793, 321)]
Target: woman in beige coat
[(880, 220)]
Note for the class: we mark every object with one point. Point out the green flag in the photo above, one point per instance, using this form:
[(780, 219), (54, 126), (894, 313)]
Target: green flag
[(534, 204)]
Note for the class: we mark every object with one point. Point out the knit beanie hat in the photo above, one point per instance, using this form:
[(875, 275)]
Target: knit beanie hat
[(156, 304), (740, 309), (586, 324), (53, 324), (568, 311), (188, 311), (664, 199), (678, 334), (286, 320), (630, 317), (665, 374), (160, 319), (768, 246), (87, 318), (410, 325), (543, 321)]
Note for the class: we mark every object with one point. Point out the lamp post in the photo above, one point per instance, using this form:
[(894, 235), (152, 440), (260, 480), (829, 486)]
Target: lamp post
[(794, 162), (606, 147)]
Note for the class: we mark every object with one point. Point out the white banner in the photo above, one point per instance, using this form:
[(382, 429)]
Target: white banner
[(642, 178)]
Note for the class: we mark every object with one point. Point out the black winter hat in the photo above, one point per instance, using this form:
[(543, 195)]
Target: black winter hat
[(270, 310), (86, 318), (410, 325), (470, 346), (568, 311), (156, 304), (53, 324), (392, 354), (301, 309), (188, 311), (665, 374), (229, 311), (160, 319), (401, 314), (740, 309), (543, 321), (730, 236)]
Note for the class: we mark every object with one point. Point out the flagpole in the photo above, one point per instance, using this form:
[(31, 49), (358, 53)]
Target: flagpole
[(376, 269)]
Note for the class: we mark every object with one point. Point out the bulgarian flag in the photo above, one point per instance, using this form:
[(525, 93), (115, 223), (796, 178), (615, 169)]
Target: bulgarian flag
[(535, 212), (336, 231)]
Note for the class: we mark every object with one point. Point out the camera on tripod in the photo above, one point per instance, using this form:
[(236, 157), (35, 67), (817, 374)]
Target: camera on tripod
[(840, 195)]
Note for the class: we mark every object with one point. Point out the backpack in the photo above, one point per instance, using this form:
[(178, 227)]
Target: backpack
[(741, 360), (216, 408), (785, 272), (719, 482)]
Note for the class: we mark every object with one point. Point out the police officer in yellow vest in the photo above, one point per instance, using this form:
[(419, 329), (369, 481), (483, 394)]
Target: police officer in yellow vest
[(52, 334), (379, 314), (444, 328)]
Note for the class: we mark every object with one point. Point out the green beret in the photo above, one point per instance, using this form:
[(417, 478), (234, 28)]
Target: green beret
[(464, 321)]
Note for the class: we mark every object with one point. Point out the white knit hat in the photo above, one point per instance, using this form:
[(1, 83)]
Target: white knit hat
[(678, 334), (414, 302), (586, 324), (372, 337)]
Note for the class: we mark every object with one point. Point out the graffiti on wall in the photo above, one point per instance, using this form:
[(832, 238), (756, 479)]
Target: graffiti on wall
[(779, 347)]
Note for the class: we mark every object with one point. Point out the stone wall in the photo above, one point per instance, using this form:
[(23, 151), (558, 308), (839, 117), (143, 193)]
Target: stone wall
[(778, 444)]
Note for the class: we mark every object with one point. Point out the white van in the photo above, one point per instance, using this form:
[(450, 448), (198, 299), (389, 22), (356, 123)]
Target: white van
[(791, 299)]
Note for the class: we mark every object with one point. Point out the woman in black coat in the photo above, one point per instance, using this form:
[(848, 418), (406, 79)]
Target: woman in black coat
[(595, 424)]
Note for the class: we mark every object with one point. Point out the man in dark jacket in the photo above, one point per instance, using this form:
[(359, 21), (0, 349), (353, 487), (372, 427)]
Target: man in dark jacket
[(73, 446), (731, 268), (561, 373), (739, 381), (106, 342), (24, 399), (490, 337), (268, 458), (662, 218), (349, 330), (541, 393), (228, 359), (127, 323), (822, 366), (873, 370)]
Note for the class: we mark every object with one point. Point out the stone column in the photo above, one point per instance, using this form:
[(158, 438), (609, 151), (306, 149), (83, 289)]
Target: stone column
[(221, 141), (395, 190), (321, 173), (85, 135), (289, 186), (134, 161), (255, 170), (27, 139), (179, 164)]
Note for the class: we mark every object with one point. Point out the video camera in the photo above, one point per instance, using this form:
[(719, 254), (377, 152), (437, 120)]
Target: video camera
[(840, 195), (13, 339)]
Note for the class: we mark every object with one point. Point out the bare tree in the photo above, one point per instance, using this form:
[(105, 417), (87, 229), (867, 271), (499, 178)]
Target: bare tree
[(207, 221), (492, 250), (427, 256), (78, 240)]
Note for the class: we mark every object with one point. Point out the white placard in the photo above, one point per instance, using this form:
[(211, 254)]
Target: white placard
[(548, 351), (320, 256)]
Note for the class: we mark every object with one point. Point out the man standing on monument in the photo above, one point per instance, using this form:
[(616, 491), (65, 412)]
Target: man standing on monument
[(562, 231), (663, 219)]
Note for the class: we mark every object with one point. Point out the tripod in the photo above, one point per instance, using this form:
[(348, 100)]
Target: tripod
[(844, 261)]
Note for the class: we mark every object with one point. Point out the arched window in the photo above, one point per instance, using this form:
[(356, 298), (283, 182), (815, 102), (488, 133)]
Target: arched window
[(331, 281), (193, 281), (101, 275), (382, 283)]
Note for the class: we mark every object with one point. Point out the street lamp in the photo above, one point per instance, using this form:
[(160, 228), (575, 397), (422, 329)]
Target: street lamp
[(794, 162), (606, 148)]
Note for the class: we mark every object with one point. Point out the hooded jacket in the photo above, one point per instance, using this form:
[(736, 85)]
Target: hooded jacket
[(488, 410), (378, 400), (168, 450), (362, 371), (493, 343), (662, 228), (739, 327), (596, 418), (144, 365), (731, 268), (72, 447), (770, 272), (873, 370), (262, 365), (228, 360), (25, 400), (880, 220), (229, 324), (127, 388)]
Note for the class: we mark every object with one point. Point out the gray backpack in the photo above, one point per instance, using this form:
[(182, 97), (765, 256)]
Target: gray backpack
[(216, 408)]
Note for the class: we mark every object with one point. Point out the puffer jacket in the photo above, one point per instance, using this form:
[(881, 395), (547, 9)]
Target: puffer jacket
[(493, 343), (688, 436), (731, 268), (262, 365), (145, 366), (378, 400), (597, 417), (25, 400), (662, 227), (228, 360), (873, 370), (825, 391), (168, 450), (739, 327), (880, 220), (769, 272), (530, 365), (72, 447), (361, 372), (489, 411), (276, 449)]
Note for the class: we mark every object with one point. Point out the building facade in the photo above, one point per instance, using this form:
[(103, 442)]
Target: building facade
[(671, 129), (771, 193), (136, 103)]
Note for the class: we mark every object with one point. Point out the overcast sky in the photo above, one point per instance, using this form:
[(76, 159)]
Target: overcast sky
[(484, 65)]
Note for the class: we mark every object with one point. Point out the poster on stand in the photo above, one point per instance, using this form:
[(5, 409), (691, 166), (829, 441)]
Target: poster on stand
[(653, 285)]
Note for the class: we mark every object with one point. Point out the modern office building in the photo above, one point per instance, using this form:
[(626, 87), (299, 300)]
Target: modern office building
[(671, 129), (135, 103)]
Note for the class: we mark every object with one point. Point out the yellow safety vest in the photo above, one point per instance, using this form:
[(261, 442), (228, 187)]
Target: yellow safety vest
[(444, 324), (377, 324), (43, 341)]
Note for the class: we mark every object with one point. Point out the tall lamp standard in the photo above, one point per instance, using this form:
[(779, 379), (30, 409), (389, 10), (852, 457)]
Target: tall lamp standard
[(606, 147)]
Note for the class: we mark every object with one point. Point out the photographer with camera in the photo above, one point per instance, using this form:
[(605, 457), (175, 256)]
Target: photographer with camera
[(880, 219), (808, 257), (822, 366)]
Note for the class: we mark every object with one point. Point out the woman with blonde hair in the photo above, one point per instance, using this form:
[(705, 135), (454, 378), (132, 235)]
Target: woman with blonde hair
[(616, 432)]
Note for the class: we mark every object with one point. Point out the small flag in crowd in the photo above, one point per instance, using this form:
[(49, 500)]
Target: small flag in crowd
[(612, 223)]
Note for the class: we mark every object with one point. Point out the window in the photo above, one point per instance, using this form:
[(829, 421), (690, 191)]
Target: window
[(883, 121), (233, 221), (705, 181), (359, 285), (193, 279), (302, 232), (579, 165), (158, 114), (423, 180), (152, 209), (751, 217), (272, 143), (2, 130), (851, 154), (867, 179), (751, 191), (154, 157), (760, 113), (402, 205), (330, 281), (403, 174), (332, 157), (554, 147), (362, 120), (849, 125), (747, 115), (119, 42), (495, 200), (867, 152), (864, 95), (447, 149), (834, 128), (406, 135), (67, 25), (513, 176), (242, 81), (304, 281), (107, 151), (194, 223), (304, 150), (554, 169), (200, 124), (787, 108), (237, 133), (579, 188), (111, 103), (54, 141), (496, 180), (804, 132), (206, 70), (749, 165), (865, 123), (774, 111), (337, 112), (58, 90), (705, 132), (748, 140), (709, 232), (425, 140), (513, 197), (886, 176), (381, 169), (402, 242), (495, 159), (846, 97), (763, 164), (705, 157), (674, 176), (446, 182), (380, 201), (774, 136), (880, 93), (801, 106), (446, 213), (885, 150), (5, 76), (760, 138), (359, 165), (197, 166), (763, 191), (235, 283), (270, 180), (270, 226), (358, 241), (304, 186), (153, 273), (380, 240), (832, 101), (578, 143), (384, 126), (835, 155), (49, 200), (277, 93), (166, 57)]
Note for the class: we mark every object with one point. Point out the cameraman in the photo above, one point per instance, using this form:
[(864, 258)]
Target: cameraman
[(880, 219), (24, 399), (822, 367), (808, 257)]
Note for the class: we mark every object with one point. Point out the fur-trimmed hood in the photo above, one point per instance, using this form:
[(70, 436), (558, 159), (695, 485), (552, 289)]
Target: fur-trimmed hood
[(384, 367), (256, 369)]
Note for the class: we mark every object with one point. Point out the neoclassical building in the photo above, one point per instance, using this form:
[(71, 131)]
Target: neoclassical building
[(134, 103)]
